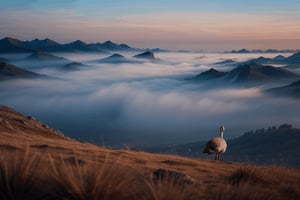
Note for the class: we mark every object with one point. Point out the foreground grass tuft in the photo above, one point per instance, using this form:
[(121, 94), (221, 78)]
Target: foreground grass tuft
[(93, 181), (21, 176), (32, 175)]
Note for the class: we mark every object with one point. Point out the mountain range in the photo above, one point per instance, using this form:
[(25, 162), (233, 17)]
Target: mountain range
[(282, 60), (263, 51), (11, 45), (248, 72)]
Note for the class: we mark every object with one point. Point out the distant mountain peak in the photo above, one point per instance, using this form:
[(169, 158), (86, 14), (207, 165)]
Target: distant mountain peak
[(41, 55), (279, 57), (115, 58), (294, 58), (73, 65), (146, 55), (11, 40), (78, 42), (209, 74), (108, 42), (247, 72), (116, 55), (211, 71), (12, 71), (12, 45), (42, 45), (124, 46), (110, 45), (227, 61), (252, 71), (241, 51), (44, 41), (49, 41)]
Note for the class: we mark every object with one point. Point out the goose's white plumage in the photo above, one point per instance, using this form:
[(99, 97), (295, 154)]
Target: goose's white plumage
[(216, 145)]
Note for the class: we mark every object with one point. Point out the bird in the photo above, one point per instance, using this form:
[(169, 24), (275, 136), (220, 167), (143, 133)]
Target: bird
[(216, 145)]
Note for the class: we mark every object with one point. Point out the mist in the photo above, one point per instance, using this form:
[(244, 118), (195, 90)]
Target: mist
[(146, 103)]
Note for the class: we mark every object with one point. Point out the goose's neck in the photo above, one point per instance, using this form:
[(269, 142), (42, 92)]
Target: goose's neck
[(221, 134)]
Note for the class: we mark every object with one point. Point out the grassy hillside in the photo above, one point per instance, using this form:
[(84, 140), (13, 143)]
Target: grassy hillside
[(37, 162)]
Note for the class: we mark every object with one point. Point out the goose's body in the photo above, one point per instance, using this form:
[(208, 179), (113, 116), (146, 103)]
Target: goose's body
[(216, 145)]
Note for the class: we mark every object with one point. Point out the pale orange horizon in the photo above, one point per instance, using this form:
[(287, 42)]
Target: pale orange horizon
[(170, 30)]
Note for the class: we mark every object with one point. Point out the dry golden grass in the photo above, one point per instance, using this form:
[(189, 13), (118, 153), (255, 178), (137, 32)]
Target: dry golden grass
[(38, 163), (19, 176)]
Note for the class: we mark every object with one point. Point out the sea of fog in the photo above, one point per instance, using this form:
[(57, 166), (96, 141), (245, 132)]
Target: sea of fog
[(144, 104)]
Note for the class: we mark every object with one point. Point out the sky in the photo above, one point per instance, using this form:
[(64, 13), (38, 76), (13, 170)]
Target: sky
[(169, 24)]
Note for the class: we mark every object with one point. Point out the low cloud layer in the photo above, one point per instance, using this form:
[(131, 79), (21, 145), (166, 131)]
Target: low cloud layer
[(145, 104)]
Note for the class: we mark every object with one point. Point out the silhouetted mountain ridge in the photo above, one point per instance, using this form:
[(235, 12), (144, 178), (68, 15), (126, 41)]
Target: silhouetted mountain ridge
[(294, 58), (118, 58), (291, 90), (8, 71), (11, 45), (263, 51), (208, 75), (249, 72), (109, 45), (44, 45), (145, 55), (240, 51), (78, 45), (40, 59), (257, 72), (115, 59)]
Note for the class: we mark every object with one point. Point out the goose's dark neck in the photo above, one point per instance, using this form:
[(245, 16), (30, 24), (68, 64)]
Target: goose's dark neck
[(221, 134)]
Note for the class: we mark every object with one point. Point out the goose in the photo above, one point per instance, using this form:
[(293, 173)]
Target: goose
[(216, 145)]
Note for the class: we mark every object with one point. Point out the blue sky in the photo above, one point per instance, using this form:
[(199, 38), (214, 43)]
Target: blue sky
[(189, 24)]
